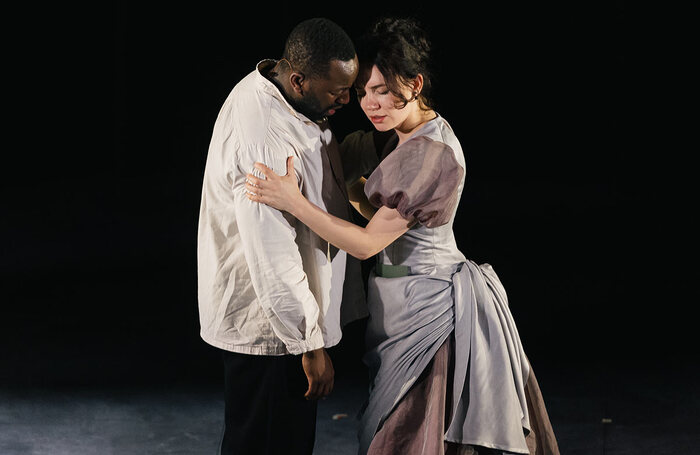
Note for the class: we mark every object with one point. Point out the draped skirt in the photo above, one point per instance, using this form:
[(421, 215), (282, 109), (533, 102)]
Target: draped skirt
[(448, 369)]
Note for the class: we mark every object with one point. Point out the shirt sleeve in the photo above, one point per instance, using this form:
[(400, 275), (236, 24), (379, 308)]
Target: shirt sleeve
[(420, 179), (273, 258), (358, 154)]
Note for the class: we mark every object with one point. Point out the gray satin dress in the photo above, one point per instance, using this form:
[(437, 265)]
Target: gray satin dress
[(424, 290)]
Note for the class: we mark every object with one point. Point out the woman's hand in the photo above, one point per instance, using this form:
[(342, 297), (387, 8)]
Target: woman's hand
[(278, 191)]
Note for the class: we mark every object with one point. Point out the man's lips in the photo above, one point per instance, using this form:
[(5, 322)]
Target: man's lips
[(332, 110)]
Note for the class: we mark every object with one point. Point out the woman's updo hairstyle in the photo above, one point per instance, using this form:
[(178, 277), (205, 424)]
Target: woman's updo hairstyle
[(401, 50)]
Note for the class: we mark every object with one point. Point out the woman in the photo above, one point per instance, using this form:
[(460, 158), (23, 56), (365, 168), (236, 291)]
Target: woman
[(449, 374)]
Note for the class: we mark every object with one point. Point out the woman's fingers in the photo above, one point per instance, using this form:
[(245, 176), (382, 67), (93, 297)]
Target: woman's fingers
[(254, 195), (269, 173), (270, 188), (266, 171), (290, 165), (252, 188), (250, 178), (256, 180)]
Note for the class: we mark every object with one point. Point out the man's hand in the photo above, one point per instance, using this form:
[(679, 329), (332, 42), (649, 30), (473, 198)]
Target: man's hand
[(319, 372)]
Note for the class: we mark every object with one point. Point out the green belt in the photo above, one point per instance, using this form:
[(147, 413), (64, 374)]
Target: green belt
[(391, 271)]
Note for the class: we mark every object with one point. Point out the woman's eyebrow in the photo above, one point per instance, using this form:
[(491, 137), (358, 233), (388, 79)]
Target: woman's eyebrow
[(377, 86)]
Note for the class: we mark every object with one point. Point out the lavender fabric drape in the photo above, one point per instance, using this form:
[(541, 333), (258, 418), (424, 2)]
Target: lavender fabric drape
[(412, 316)]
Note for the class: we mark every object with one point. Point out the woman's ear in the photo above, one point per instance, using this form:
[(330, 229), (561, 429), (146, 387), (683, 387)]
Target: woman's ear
[(417, 84)]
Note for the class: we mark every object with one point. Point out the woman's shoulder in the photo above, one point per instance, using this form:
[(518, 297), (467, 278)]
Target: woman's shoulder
[(439, 130), (437, 135), (434, 139), (421, 179)]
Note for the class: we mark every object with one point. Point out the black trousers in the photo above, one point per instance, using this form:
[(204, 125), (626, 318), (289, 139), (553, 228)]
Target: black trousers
[(266, 412)]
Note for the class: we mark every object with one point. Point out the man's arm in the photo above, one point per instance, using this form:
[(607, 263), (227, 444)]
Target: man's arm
[(275, 264), (280, 283)]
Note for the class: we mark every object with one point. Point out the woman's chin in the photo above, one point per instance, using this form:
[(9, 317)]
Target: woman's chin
[(381, 127)]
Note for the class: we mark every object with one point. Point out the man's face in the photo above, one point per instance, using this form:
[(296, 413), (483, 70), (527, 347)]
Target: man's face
[(324, 96)]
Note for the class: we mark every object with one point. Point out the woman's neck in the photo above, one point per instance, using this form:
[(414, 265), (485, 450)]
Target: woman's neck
[(413, 123)]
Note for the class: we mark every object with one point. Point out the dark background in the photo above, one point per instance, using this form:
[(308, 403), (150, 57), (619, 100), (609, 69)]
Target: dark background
[(114, 109)]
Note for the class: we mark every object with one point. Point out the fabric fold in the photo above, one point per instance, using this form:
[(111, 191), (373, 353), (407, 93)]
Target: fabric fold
[(412, 316)]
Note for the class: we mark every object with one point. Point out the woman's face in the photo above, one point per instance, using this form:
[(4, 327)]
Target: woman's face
[(379, 104)]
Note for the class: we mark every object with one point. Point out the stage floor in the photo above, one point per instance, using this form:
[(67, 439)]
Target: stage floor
[(593, 411)]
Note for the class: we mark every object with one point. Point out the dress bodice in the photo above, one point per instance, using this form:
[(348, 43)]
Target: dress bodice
[(423, 178)]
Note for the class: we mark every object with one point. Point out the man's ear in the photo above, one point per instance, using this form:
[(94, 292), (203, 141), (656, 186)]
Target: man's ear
[(296, 80)]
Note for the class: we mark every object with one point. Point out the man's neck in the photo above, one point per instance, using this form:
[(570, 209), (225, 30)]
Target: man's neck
[(280, 78), (273, 74)]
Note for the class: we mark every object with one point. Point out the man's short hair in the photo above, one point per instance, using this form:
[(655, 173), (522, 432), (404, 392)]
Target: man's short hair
[(313, 43)]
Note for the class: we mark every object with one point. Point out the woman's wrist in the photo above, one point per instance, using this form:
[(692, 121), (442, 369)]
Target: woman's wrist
[(298, 205)]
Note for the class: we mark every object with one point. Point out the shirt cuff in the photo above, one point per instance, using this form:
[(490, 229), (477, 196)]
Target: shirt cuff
[(314, 342)]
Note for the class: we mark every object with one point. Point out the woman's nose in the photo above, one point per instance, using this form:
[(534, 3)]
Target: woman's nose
[(369, 103)]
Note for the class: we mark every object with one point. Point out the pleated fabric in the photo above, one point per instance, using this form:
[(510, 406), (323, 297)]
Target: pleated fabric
[(412, 317)]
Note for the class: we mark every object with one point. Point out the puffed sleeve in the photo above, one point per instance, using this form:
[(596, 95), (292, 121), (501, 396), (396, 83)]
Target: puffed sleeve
[(420, 179)]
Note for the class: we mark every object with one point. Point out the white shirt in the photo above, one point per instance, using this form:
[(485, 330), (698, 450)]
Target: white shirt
[(267, 284)]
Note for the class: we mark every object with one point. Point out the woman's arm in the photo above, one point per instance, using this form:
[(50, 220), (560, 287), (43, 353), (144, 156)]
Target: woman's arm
[(356, 194), (282, 193), (384, 227)]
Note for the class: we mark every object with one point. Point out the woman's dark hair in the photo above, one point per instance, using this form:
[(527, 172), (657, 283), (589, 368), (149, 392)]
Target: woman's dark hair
[(313, 43), (400, 48)]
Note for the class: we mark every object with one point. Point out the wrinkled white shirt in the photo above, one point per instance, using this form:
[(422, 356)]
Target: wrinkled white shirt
[(267, 284)]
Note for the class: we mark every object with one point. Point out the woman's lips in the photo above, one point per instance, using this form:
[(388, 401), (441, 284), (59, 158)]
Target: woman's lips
[(377, 118)]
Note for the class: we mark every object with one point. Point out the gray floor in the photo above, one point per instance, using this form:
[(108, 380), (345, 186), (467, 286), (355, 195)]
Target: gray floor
[(592, 411)]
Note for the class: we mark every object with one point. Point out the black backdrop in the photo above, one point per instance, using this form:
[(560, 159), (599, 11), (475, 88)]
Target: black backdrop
[(115, 112)]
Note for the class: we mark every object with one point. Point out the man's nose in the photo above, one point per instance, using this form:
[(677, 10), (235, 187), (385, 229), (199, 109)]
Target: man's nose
[(344, 98)]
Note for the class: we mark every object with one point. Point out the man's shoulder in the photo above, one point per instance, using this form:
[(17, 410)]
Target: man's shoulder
[(250, 109), (257, 119), (249, 96), (265, 127)]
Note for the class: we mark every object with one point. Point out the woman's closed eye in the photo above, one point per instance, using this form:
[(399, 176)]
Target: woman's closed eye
[(362, 93)]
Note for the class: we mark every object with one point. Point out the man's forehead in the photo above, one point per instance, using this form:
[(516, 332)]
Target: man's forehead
[(345, 66), (342, 72)]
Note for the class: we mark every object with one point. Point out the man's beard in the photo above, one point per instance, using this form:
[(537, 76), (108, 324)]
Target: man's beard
[(310, 107)]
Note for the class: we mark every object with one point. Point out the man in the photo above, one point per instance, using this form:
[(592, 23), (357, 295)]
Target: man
[(269, 288)]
